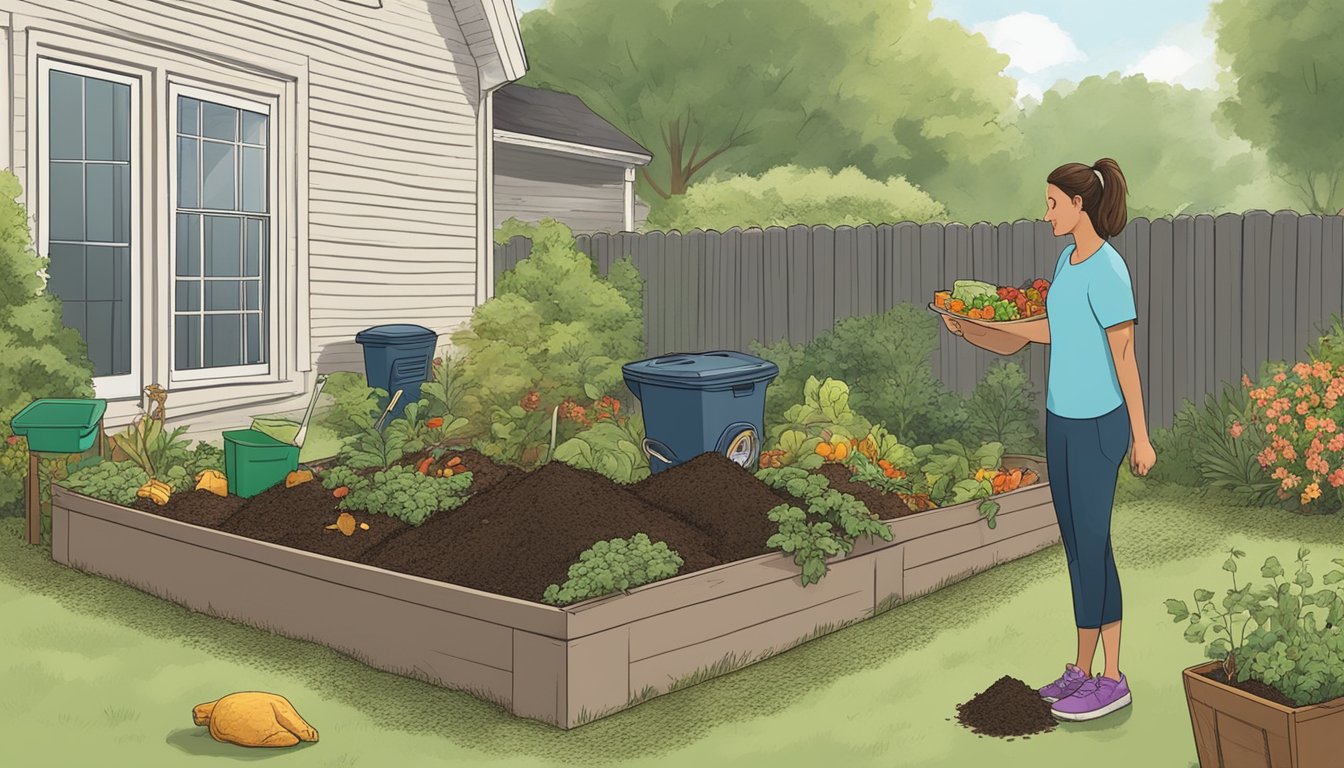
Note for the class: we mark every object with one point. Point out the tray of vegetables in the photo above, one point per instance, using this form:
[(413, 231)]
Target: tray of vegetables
[(975, 300)]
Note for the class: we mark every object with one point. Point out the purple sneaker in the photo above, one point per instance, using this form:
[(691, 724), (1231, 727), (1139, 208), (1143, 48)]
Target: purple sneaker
[(1064, 686), (1096, 697)]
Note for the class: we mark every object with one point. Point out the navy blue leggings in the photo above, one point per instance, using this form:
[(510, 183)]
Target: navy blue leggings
[(1082, 457)]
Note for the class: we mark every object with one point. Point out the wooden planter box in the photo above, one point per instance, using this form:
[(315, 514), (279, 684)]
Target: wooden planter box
[(565, 666), (1234, 728)]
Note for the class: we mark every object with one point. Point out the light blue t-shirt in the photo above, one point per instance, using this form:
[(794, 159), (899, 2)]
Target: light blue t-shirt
[(1084, 300)]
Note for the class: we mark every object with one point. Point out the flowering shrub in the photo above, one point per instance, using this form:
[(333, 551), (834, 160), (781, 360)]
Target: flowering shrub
[(1300, 413)]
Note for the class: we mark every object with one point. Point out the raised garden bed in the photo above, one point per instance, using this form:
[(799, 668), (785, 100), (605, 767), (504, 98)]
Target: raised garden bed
[(470, 620)]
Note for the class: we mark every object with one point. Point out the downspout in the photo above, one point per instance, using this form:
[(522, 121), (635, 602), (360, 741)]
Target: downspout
[(629, 199), (485, 196)]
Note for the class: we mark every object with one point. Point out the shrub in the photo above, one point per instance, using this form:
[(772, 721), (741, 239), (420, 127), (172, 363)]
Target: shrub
[(1329, 347), (555, 332), (114, 481), (1002, 409), (1213, 446), (614, 566), (354, 404), (42, 357), (1298, 412), (789, 195), (1295, 643), (407, 495)]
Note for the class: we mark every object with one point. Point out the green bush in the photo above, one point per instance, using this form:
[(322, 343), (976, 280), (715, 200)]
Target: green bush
[(1329, 347), (1201, 440), (114, 481), (1003, 409), (407, 495), (612, 446), (887, 360), (789, 195), (354, 404), (614, 566), (554, 332), (830, 525), (42, 357)]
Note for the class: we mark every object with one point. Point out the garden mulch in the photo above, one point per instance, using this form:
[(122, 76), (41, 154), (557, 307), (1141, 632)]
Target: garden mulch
[(887, 506), (1253, 687), (1008, 708), (298, 517), (719, 497), (196, 507)]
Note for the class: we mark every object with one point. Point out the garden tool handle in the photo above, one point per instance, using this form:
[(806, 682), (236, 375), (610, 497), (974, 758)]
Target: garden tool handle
[(390, 405), (649, 450)]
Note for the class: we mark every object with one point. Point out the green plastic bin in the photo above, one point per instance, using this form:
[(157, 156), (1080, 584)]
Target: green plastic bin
[(59, 426), (254, 462)]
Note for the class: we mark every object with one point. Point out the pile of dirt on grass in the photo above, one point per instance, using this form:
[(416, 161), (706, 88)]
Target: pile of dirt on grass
[(298, 517), (886, 506), (523, 535), (1009, 708), (719, 497), (196, 507)]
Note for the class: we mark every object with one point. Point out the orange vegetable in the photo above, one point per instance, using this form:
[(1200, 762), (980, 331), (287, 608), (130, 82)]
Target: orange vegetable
[(446, 472), (957, 305), (941, 298), (435, 422), (825, 450), (453, 462), (1015, 479), (841, 451), (1029, 477), (424, 465), (341, 492)]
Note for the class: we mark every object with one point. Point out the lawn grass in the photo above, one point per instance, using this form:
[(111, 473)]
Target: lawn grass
[(97, 674)]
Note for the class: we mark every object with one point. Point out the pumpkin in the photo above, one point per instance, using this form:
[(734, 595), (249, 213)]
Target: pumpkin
[(298, 477), (212, 480)]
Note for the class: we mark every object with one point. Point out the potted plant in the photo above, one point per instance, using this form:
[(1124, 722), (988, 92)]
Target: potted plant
[(1274, 693)]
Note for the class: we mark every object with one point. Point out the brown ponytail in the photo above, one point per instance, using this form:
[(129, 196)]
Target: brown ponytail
[(1104, 198)]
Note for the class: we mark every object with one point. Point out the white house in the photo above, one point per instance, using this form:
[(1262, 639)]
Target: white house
[(229, 190)]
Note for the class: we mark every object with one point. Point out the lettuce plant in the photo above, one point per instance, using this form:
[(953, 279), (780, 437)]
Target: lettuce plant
[(615, 566)]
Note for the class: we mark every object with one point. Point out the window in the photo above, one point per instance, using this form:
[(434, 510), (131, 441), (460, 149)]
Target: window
[(89, 183), (222, 236)]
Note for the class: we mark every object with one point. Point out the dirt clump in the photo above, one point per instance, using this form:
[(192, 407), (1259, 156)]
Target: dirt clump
[(719, 497), (523, 535), (1007, 708), (886, 506), (196, 507)]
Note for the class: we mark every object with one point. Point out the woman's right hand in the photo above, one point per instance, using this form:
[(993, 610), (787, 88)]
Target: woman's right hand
[(996, 340), (952, 325)]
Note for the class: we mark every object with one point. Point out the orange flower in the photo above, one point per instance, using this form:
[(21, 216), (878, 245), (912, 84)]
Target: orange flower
[(1245, 380), (1312, 491), (1280, 377), (1235, 429), (1270, 427), (1336, 443), (1302, 408), (435, 422), (1336, 478)]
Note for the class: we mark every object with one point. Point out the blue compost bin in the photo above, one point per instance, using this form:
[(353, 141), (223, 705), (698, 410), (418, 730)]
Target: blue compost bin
[(396, 357), (703, 402)]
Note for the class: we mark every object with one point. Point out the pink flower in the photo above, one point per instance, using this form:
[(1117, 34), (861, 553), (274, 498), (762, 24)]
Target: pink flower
[(1271, 413), (1336, 443), (1279, 473), (1235, 430), (1245, 380), (1280, 377), (1302, 408), (1310, 423), (1328, 425), (1336, 478), (1285, 419), (1271, 427)]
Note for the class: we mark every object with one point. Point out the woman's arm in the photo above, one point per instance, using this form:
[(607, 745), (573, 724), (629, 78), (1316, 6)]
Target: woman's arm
[(992, 339), (1120, 337)]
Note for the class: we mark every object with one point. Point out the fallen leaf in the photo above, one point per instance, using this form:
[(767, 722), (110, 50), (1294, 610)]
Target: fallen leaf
[(346, 523)]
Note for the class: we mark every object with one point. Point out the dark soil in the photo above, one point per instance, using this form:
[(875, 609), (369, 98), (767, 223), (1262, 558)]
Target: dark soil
[(1253, 687), (195, 507), (485, 474), (1009, 707), (298, 517), (522, 536), (887, 506), (719, 497)]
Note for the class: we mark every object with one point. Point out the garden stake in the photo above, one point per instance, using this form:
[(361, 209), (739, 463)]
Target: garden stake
[(555, 422), (390, 405)]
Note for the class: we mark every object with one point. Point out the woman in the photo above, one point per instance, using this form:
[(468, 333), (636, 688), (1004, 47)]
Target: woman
[(1094, 404)]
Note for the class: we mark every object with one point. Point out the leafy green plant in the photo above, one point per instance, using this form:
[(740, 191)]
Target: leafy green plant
[(114, 481), (340, 475), (830, 525), (950, 467), (520, 436), (442, 398), (204, 456), (1002, 409), (407, 495), (615, 566), (373, 448), (810, 543), (823, 416), (416, 429), (152, 447), (1329, 346), (611, 446), (1222, 445), (354, 405), (1282, 634)]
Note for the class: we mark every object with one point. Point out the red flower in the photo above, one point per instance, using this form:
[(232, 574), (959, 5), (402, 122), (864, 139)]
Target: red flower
[(531, 401), (12, 439)]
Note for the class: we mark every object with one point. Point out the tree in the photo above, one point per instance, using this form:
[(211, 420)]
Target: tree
[(746, 85), (1286, 67), (1174, 155)]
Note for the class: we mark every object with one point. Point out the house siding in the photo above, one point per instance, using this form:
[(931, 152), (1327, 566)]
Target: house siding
[(532, 184), (391, 104)]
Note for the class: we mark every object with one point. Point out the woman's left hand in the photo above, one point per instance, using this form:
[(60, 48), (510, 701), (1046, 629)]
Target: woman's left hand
[(1142, 457)]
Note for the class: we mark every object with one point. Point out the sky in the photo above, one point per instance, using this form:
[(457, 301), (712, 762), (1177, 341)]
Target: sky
[(1053, 40)]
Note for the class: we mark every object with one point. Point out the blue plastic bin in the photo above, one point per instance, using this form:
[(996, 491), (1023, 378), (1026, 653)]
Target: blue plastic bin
[(396, 357), (703, 402)]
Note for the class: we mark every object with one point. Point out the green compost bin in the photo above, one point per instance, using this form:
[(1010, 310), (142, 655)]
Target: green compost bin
[(254, 462), (59, 426)]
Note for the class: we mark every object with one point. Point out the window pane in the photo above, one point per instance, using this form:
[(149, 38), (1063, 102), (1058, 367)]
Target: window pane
[(98, 333), (254, 180), (121, 325), (252, 294), (108, 204), (188, 173), (73, 316), (100, 274), (254, 257), (188, 116), (67, 201), (65, 273), (223, 246), (255, 350), (98, 119), (188, 244), (187, 342), (66, 116), (223, 340), (222, 294), (254, 128), (188, 296), (121, 124), (219, 121), (220, 165)]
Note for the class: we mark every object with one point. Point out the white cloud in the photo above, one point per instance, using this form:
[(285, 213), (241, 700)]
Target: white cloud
[(1033, 42), (1184, 56), (1028, 89)]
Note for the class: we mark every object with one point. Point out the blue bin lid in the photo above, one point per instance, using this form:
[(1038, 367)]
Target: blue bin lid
[(396, 333), (701, 369)]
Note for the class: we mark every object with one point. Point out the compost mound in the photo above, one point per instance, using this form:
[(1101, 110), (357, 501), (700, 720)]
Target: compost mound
[(717, 496), (195, 507), (524, 534), (1009, 707), (298, 517), (886, 506)]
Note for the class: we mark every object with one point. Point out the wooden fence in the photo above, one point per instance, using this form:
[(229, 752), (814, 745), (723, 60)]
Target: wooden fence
[(1216, 297)]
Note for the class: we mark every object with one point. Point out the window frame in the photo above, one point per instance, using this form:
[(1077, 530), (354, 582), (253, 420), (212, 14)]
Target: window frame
[(128, 384), (268, 371)]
